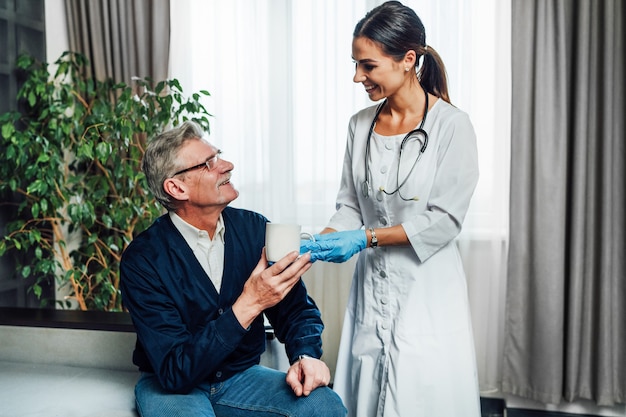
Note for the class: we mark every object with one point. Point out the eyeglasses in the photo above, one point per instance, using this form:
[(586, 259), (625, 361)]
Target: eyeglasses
[(209, 163)]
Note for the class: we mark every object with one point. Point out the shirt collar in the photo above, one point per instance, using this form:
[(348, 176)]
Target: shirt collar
[(192, 234)]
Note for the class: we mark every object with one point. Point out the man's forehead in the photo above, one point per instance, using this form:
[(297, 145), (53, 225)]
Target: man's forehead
[(193, 147)]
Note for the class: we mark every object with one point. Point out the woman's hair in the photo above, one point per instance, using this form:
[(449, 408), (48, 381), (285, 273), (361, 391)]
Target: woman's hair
[(160, 161), (398, 29)]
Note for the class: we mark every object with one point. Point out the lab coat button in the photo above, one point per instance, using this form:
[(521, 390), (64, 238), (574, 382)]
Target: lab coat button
[(383, 221), (383, 300), (384, 325), (383, 169), (388, 145), (383, 274), (379, 196)]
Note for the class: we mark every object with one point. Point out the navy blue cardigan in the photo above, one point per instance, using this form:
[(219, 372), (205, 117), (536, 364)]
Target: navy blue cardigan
[(186, 331)]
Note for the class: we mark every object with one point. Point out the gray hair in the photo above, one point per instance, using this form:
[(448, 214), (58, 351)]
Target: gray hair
[(160, 160)]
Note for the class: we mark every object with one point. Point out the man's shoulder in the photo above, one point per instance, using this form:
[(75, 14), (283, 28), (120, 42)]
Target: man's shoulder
[(161, 225), (153, 237)]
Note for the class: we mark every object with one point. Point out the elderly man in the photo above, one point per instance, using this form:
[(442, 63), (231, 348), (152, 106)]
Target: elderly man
[(197, 283)]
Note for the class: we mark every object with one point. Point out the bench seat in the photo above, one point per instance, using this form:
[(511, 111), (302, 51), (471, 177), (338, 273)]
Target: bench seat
[(77, 371), (43, 390)]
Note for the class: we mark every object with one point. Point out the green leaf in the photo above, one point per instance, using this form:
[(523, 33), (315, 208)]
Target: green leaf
[(10, 151), (32, 99), (44, 205), (37, 290), (26, 271), (85, 150), (8, 129), (108, 222), (103, 150), (35, 210)]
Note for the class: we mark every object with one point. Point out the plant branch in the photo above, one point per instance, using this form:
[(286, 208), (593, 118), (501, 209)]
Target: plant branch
[(66, 263)]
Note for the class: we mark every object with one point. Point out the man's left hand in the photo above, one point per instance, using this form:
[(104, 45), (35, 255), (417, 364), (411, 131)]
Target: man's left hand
[(307, 374)]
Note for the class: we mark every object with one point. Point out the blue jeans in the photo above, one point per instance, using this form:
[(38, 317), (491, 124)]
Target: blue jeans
[(257, 391)]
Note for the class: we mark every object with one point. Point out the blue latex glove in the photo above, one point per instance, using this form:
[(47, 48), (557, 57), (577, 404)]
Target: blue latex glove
[(335, 247)]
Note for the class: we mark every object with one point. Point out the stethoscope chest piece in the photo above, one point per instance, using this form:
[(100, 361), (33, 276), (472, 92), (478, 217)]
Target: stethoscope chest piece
[(365, 189)]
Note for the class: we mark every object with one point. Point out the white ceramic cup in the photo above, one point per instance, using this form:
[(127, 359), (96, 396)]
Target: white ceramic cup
[(282, 238)]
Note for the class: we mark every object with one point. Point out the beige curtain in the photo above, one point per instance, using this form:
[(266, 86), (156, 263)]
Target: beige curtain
[(121, 38), (566, 290)]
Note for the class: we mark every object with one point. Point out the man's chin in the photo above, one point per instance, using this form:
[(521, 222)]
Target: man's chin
[(234, 196)]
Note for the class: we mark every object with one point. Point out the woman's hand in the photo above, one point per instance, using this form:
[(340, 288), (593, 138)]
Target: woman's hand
[(335, 247)]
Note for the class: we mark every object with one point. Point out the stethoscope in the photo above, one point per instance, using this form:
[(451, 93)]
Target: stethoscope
[(416, 132)]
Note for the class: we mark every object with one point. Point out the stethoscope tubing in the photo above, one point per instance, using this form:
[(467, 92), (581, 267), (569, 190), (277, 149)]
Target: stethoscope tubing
[(424, 143)]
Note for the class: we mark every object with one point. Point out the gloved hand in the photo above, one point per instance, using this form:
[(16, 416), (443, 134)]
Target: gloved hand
[(335, 247)]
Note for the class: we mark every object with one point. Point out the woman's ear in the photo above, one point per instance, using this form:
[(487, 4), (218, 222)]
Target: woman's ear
[(176, 188), (410, 59)]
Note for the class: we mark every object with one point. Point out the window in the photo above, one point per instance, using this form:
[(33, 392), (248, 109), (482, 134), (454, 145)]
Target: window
[(280, 74), (21, 31)]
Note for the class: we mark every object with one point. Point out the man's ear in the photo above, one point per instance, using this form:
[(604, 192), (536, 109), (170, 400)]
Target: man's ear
[(176, 188)]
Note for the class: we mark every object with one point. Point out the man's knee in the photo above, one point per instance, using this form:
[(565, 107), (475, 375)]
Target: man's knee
[(153, 401), (324, 402)]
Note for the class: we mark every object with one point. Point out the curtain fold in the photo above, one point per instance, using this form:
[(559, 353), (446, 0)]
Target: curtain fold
[(121, 38), (566, 293)]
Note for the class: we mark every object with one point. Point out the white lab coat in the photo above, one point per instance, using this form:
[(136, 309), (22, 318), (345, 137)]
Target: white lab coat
[(406, 346)]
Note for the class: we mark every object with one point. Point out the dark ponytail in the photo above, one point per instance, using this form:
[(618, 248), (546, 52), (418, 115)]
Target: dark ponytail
[(398, 29), (432, 75)]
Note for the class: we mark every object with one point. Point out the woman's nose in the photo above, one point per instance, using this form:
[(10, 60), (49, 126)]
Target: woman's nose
[(359, 77)]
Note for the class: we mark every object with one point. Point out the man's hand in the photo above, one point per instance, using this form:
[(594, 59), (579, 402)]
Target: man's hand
[(267, 286), (307, 374)]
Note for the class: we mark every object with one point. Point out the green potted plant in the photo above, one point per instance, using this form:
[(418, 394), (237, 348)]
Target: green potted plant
[(70, 165)]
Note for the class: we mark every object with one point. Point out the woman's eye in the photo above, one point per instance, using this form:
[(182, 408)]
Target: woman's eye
[(366, 67)]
